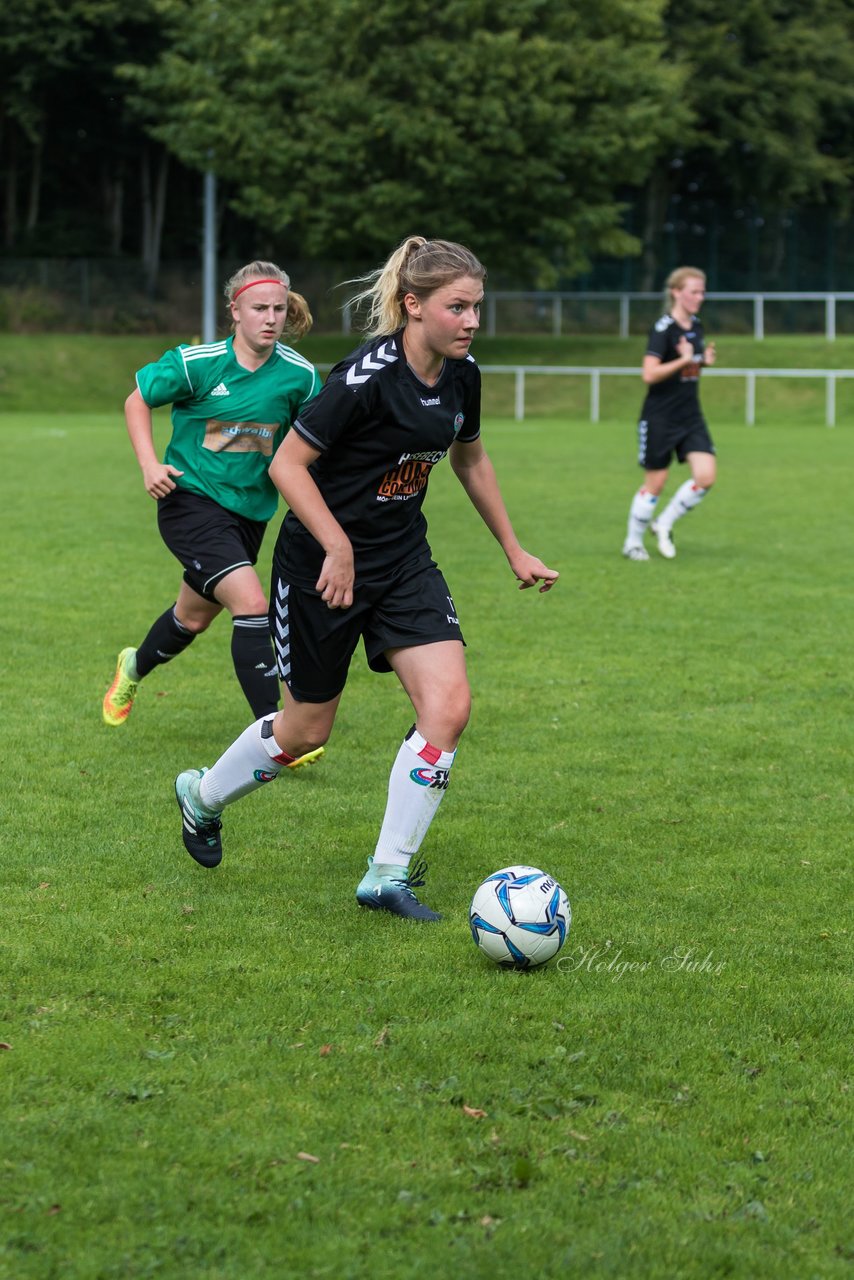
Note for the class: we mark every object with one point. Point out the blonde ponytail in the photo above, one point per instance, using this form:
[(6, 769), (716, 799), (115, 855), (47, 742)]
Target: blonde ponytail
[(417, 266)]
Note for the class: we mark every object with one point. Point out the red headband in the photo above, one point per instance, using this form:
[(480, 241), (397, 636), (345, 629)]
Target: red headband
[(253, 282)]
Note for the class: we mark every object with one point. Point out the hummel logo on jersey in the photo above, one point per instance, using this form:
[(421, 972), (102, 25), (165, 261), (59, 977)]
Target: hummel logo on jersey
[(430, 400), (221, 390), (359, 372)]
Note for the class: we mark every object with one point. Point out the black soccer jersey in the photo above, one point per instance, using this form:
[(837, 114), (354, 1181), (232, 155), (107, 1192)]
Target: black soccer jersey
[(676, 397), (380, 431)]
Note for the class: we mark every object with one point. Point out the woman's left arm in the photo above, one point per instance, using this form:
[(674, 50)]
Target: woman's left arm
[(475, 472)]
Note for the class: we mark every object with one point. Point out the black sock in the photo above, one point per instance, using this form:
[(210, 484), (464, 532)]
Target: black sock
[(166, 639), (254, 663)]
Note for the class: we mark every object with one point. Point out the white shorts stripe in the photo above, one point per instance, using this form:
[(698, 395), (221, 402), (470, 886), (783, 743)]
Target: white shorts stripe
[(282, 633)]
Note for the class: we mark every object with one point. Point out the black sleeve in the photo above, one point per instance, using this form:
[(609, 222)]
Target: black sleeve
[(659, 343), (470, 430), (333, 410)]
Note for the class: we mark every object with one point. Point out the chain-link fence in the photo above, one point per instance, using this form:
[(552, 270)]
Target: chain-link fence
[(44, 295), (106, 295)]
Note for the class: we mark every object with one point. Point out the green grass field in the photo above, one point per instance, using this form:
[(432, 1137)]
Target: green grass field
[(237, 1074), (60, 372)]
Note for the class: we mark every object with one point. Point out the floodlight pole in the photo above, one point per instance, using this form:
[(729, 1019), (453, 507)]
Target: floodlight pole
[(209, 259)]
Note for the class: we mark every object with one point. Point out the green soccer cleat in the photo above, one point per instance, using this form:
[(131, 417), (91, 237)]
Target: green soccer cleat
[(200, 827), (385, 887), (118, 700)]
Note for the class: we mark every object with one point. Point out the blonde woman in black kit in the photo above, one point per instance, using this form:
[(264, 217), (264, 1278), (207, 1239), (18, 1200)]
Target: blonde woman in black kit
[(671, 418), (352, 559)]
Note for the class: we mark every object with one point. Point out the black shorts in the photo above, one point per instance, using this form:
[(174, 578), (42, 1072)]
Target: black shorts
[(209, 541), (314, 644), (660, 438)]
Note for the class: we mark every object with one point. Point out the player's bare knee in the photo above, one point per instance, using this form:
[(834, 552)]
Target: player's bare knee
[(311, 740), (450, 720), (194, 624), (298, 738), (250, 607)]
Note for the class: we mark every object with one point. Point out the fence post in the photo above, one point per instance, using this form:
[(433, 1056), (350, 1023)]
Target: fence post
[(830, 401), (594, 395), (85, 298), (557, 316), (758, 316), (520, 394), (346, 318), (490, 316), (830, 317), (750, 407), (624, 315)]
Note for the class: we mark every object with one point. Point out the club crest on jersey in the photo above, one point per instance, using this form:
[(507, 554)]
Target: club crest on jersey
[(458, 422)]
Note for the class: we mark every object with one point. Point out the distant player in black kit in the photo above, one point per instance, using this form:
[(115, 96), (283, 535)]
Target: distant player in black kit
[(671, 417), (352, 559)]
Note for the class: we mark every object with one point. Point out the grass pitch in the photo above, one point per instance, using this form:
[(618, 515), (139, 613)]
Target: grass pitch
[(237, 1074)]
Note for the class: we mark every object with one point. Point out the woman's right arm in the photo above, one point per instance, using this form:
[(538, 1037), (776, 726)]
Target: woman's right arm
[(156, 475), (289, 473), (655, 370)]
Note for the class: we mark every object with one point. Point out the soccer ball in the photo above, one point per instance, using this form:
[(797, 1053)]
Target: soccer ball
[(519, 917)]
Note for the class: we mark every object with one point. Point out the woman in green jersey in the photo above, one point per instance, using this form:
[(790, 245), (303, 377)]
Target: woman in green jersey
[(232, 404)]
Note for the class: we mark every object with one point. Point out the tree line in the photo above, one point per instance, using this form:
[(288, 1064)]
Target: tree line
[(547, 134)]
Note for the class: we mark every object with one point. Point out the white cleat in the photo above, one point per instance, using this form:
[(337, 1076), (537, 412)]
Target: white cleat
[(665, 542), (635, 551)]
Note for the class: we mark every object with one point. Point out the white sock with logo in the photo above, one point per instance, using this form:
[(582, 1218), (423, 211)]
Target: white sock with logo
[(685, 499), (418, 781), (640, 514), (253, 759)]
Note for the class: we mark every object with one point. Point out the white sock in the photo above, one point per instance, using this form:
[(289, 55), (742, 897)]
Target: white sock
[(418, 781), (253, 759), (686, 497), (640, 514)]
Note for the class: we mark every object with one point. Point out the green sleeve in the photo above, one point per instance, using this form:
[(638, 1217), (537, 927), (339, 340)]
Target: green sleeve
[(166, 381)]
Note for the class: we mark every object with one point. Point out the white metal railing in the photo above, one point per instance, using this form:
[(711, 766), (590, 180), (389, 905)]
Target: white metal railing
[(553, 302), (595, 373)]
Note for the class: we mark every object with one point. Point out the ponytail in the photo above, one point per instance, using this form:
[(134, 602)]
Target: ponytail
[(417, 266)]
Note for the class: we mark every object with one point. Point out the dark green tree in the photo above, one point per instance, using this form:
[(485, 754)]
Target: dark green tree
[(769, 85), (41, 49), (509, 125)]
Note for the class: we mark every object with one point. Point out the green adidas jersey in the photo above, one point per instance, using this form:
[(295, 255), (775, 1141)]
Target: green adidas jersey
[(227, 421)]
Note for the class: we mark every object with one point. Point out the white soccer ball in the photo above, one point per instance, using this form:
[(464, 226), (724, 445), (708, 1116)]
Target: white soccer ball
[(520, 917)]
